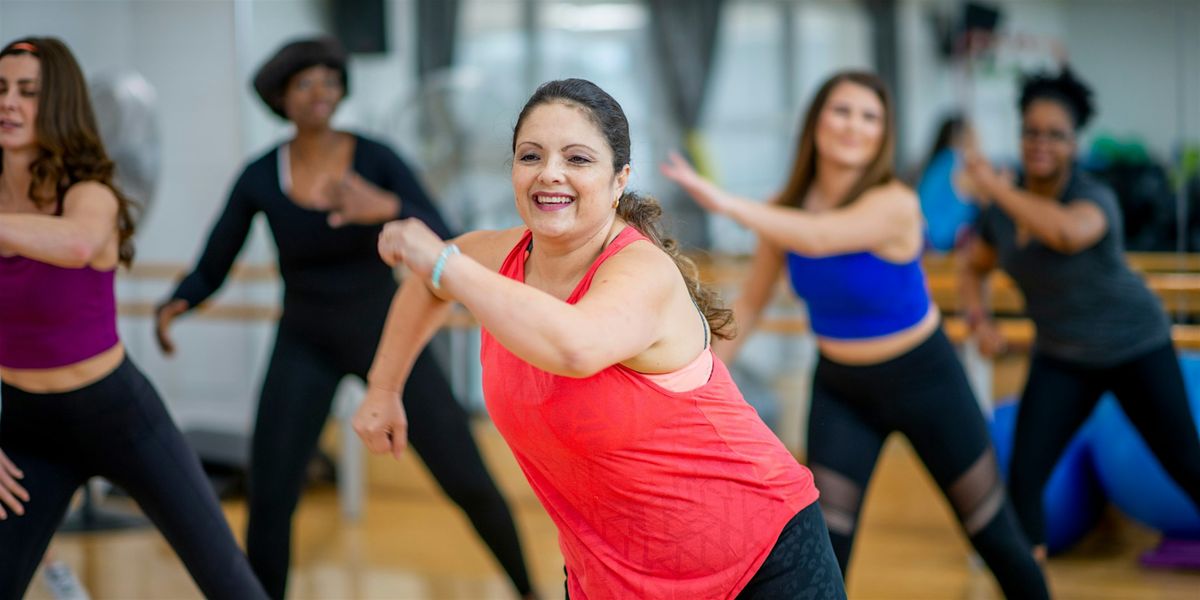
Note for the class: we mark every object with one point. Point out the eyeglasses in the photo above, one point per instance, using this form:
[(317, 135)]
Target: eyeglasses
[(1057, 136)]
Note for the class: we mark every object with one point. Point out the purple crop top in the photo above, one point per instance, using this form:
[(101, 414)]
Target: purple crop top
[(53, 316)]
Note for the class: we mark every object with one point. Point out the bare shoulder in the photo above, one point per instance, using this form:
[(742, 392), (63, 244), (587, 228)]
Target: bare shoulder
[(894, 197), (489, 247), (91, 198), (90, 192), (644, 262)]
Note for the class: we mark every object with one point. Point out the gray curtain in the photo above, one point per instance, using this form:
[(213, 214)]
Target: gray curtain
[(884, 36), (685, 38), (437, 29), (437, 33)]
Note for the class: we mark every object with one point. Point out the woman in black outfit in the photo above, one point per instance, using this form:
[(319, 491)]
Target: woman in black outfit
[(326, 194), (1058, 233)]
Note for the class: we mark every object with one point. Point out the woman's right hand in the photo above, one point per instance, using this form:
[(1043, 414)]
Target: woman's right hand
[(11, 492), (708, 196), (412, 242), (166, 313), (987, 335)]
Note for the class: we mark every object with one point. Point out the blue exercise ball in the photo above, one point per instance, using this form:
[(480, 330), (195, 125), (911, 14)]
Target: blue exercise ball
[(1132, 476), (1073, 500)]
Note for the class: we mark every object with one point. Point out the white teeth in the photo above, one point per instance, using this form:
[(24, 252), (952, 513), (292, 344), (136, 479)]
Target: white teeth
[(552, 199)]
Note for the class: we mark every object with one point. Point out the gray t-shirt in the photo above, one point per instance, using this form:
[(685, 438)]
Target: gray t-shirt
[(1089, 308)]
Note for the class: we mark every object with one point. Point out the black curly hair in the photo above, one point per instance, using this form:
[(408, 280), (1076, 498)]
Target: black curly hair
[(1063, 88)]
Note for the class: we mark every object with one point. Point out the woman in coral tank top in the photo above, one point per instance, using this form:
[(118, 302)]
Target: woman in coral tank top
[(597, 370)]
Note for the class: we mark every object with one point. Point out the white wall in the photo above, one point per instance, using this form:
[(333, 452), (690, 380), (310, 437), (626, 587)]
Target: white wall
[(1142, 58), (199, 56), (984, 90)]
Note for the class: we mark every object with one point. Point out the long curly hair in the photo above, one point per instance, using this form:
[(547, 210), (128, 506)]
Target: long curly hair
[(70, 148)]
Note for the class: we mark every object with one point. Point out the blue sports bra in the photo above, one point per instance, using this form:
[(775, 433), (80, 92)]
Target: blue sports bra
[(859, 295)]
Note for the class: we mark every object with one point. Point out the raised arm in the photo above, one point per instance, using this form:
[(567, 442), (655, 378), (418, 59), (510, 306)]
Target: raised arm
[(975, 263), (1068, 229), (83, 236), (225, 241), (616, 321), (756, 294), (884, 215)]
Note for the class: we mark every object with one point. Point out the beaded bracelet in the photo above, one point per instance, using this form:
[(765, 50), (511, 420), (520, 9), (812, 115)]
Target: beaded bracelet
[(440, 265)]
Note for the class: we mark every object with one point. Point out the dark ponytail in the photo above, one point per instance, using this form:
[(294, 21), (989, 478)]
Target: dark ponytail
[(644, 214)]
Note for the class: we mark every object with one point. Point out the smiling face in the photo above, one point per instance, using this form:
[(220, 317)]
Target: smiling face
[(312, 96), (20, 83), (1047, 139), (850, 128), (562, 173)]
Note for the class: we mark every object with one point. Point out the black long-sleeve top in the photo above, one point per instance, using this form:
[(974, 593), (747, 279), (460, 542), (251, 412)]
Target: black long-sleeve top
[(316, 261)]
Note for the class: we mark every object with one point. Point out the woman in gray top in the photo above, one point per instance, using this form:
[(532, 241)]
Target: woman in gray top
[(1058, 233)]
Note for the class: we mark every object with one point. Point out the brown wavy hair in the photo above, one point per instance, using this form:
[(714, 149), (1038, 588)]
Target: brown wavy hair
[(641, 212), (804, 169), (70, 147)]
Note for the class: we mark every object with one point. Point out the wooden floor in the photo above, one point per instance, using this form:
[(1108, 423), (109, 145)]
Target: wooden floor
[(412, 543)]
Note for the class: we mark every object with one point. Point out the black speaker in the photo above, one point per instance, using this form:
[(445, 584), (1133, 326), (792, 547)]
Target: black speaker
[(978, 16), (950, 30), (361, 25)]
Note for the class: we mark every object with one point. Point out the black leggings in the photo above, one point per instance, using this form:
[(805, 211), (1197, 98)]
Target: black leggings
[(1059, 396), (923, 394), (801, 566), (314, 348), (116, 428)]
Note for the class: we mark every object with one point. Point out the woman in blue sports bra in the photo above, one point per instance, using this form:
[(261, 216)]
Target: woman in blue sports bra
[(851, 237)]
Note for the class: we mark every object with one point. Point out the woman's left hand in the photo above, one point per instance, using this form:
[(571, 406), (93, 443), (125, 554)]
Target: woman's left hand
[(381, 422), (985, 179), (411, 242), (357, 201)]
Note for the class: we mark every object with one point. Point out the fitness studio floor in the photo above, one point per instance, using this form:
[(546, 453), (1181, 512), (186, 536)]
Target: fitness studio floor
[(412, 543)]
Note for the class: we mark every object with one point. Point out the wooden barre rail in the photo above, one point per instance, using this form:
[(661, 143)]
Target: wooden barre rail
[(1180, 292), (718, 268), (1174, 277), (1017, 332)]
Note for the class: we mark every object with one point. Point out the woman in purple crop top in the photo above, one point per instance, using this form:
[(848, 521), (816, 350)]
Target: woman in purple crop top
[(851, 237), (74, 405)]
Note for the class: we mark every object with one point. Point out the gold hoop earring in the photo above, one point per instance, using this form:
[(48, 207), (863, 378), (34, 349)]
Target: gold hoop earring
[(617, 202)]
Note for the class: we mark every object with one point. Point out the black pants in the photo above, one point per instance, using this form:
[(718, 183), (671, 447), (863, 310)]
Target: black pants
[(116, 428), (317, 344), (801, 566), (1059, 396), (923, 394)]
